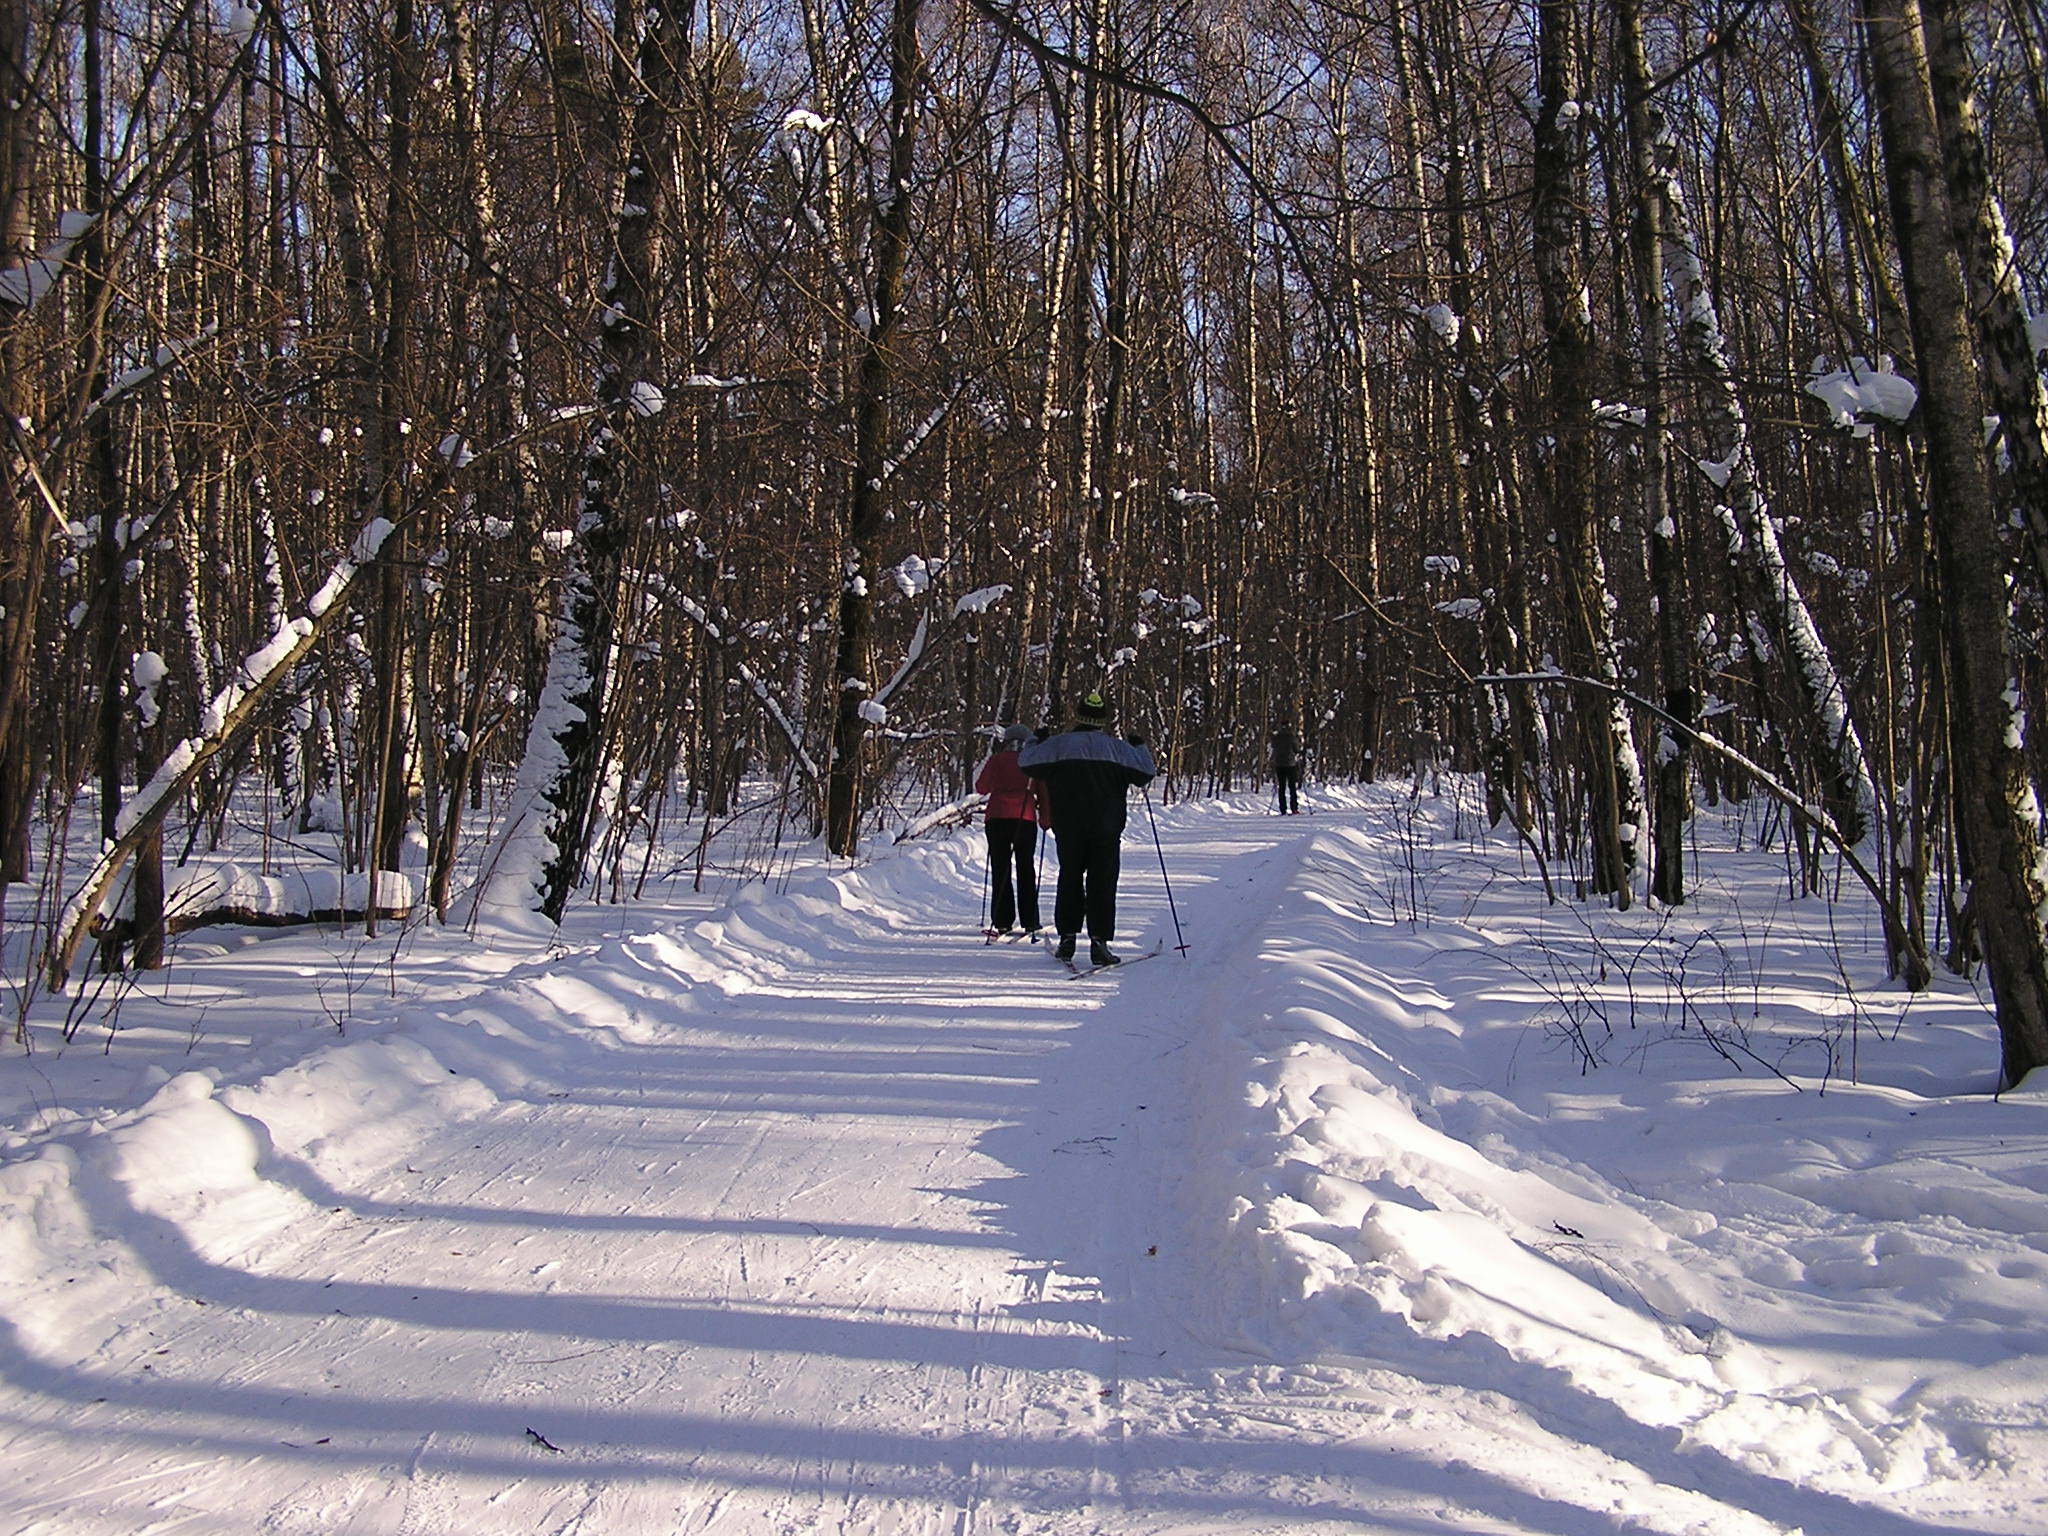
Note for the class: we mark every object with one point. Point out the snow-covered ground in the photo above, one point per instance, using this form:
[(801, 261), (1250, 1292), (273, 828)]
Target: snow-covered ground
[(1402, 1202)]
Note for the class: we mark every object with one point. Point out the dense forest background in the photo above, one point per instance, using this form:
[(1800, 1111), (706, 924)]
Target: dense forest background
[(1634, 403)]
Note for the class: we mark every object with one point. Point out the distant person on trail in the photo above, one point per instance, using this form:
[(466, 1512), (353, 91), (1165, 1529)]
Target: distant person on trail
[(1016, 806), (1284, 758), (1088, 774), (1426, 759)]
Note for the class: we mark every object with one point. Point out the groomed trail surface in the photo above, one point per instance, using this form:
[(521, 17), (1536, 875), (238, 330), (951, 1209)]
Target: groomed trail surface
[(814, 1213)]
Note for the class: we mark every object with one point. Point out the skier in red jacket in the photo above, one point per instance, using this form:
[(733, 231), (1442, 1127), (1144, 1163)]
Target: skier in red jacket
[(1016, 807)]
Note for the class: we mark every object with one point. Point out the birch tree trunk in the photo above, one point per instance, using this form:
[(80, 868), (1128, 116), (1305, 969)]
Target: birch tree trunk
[(110, 548), (1845, 179), (2030, 34), (1519, 749), (502, 480), (1673, 757), (1995, 812), (387, 430)]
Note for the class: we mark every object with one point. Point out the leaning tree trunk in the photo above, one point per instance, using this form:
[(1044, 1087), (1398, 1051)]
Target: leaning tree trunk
[(225, 721), (1780, 623), (1994, 800), (870, 443)]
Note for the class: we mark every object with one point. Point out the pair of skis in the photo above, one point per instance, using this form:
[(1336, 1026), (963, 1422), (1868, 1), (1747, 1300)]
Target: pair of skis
[(1076, 968)]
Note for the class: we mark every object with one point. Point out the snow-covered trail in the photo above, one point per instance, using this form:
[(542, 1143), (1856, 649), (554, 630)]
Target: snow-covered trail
[(813, 1213), (856, 1232)]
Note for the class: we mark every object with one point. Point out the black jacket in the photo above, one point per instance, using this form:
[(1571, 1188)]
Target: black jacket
[(1088, 774)]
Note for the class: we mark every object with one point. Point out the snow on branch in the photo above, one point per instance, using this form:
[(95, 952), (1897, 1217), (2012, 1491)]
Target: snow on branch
[(976, 602), (1860, 392), (918, 434), (911, 658), (781, 718), (25, 286), (953, 813), (162, 361), (981, 599)]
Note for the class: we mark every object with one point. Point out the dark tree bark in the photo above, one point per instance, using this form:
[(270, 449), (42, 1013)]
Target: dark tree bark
[(2012, 378), (1673, 757), (1559, 217), (852, 663), (385, 479), (22, 518)]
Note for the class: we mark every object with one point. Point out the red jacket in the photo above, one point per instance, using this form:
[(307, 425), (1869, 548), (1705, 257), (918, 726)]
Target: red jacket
[(1012, 796)]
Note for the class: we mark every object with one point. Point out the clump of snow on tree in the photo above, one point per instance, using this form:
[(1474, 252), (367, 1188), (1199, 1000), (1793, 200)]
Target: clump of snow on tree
[(981, 599), (912, 575), (1620, 413), (149, 671), (1862, 393)]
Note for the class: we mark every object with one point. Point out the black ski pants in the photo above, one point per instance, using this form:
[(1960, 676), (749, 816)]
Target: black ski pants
[(1086, 896), (1288, 781), (1013, 872)]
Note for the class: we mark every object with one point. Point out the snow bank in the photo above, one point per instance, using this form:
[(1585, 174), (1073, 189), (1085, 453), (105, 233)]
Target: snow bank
[(1387, 1187), (115, 1207)]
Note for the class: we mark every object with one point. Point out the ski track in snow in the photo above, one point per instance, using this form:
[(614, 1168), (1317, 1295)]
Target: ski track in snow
[(813, 1213)]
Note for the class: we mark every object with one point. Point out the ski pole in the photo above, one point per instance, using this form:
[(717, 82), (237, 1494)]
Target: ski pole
[(988, 859), (1158, 848)]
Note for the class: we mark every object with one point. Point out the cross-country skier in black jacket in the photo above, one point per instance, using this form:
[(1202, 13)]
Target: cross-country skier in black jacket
[(1088, 775)]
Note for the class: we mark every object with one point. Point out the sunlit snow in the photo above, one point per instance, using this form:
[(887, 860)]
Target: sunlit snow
[(1398, 1201)]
